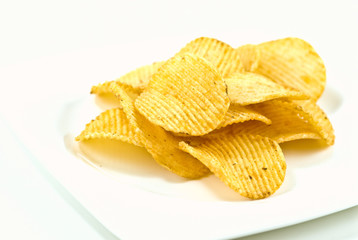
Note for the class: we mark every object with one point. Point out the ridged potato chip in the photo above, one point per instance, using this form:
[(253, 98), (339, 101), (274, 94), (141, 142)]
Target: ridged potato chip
[(111, 124), (187, 95), (249, 88), (102, 88), (304, 117), (292, 62), (106, 89), (253, 166), (280, 131), (290, 121), (138, 79), (237, 114), (225, 58), (106, 96), (250, 56), (160, 144), (316, 117)]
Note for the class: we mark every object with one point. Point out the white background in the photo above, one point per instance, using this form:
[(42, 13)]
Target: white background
[(31, 207)]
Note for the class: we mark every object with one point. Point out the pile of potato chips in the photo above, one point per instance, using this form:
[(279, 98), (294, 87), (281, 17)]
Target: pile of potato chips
[(213, 108)]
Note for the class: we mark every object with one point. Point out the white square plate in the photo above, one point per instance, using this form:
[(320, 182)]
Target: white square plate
[(137, 199)]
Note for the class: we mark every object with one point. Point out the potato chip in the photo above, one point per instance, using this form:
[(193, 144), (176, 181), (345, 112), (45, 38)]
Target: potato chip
[(250, 56), (107, 99), (111, 124), (132, 92), (160, 144), (105, 88), (291, 120), (186, 95), (287, 123), (237, 114), (253, 166), (225, 58), (102, 88), (249, 88), (316, 117), (138, 79), (293, 63)]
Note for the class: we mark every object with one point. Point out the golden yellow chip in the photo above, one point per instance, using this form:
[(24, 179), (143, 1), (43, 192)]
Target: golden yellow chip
[(111, 124), (132, 92), (225, 58), (250, 56), (317, 118), (249, 88), (237, 114), (290, 121), (293, 63), (160, 144), (140, 77), (187, 95), (106, 99), (102, 88), (253, 166), (287, 124), (106, 89)]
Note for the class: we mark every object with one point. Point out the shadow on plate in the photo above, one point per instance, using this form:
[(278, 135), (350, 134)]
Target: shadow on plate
[(306, 152), (330, 101), (115, 156), (107, 101)]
